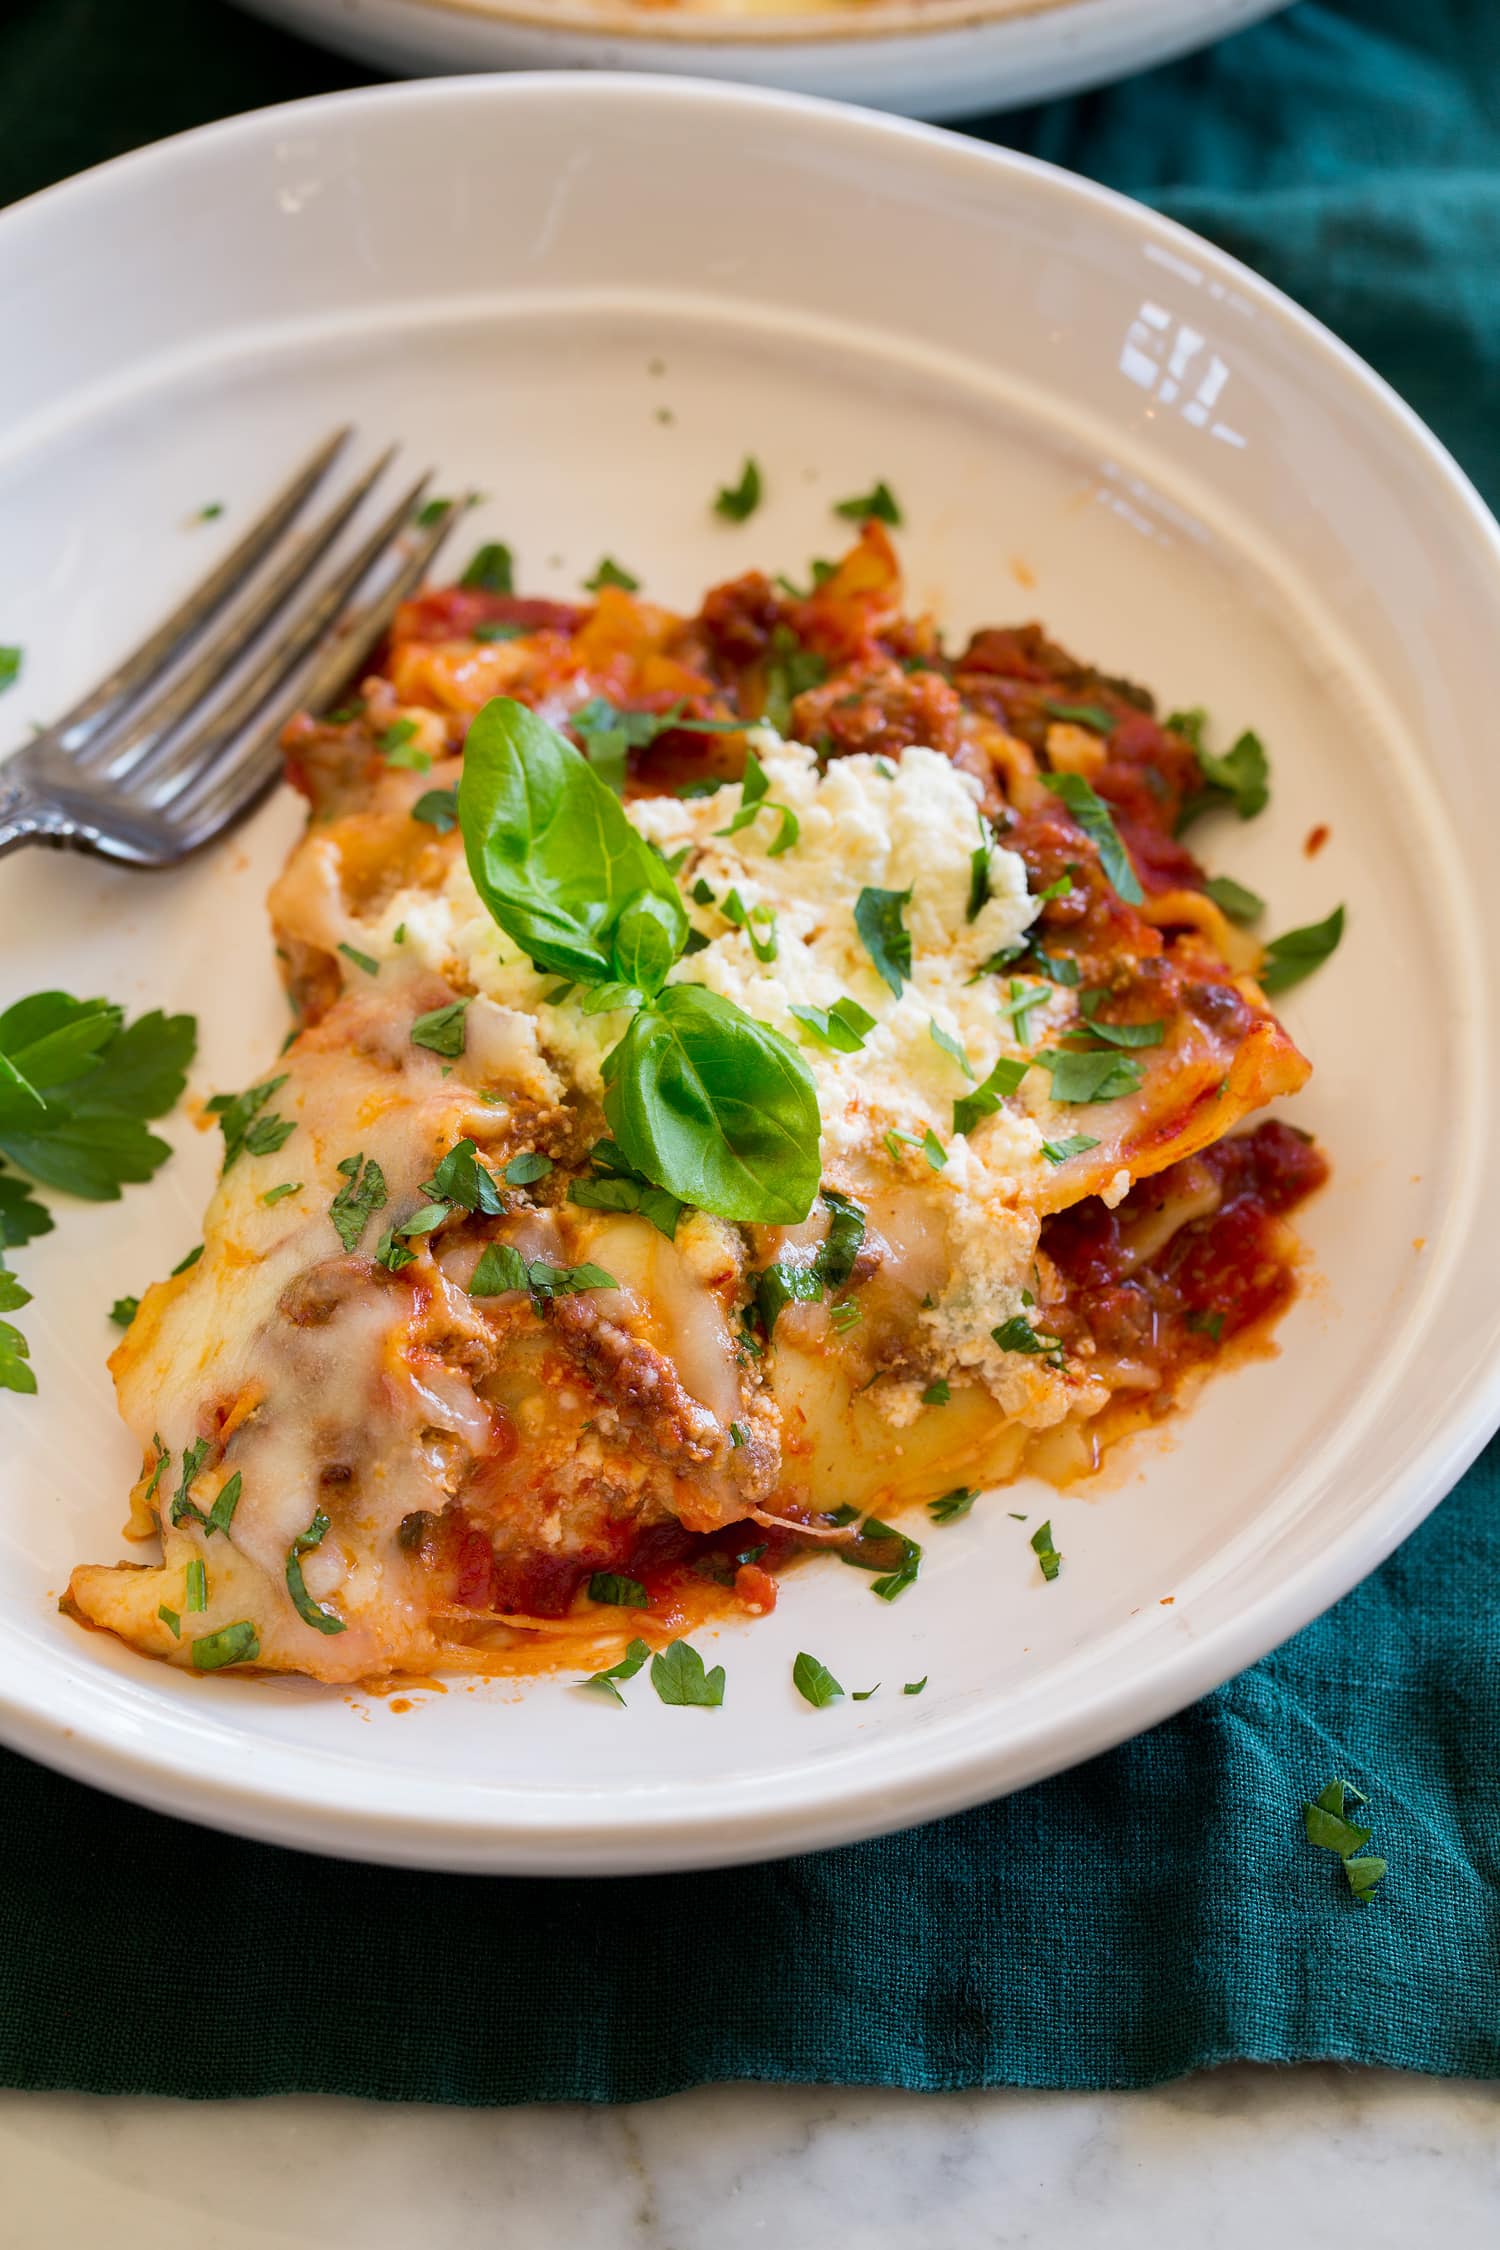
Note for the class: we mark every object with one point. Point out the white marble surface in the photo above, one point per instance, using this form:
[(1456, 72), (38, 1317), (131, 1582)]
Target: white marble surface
[(1304, 2158)]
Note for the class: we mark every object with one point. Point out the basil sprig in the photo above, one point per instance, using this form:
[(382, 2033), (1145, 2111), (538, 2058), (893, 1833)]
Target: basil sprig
[(701, 1099)]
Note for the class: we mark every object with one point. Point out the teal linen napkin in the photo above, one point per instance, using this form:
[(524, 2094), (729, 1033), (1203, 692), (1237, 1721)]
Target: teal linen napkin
[(1154, 1911)]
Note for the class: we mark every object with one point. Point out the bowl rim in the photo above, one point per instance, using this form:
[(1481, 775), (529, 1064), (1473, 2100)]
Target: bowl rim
[(856, 22), (293, 1809)]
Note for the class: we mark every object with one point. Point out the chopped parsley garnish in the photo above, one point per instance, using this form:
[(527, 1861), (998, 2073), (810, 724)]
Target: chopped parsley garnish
[(365, 961), (196, 1599), (986, 1098), (1093, 1076), (1209, 1324), (399, 747), (614, 1186), (953, 1504), (232, 1644), (502, 1268), (621, 1593), (311, 1613), (938, 1393), (678, 1677), (738, 1436), (607, 572), (782, 1285), (441, 1030), (499, 629), (185, 1265), (1326, 1823), (814, 1682), (915, 1687), (845, 1315), (836, 1257), (788, 1283), (950, 1046), (879, 502), (755, 800), (903, 1554), (1018, 1335), (844, 1027), (863, 1694), (10, 666), (491, 570), (123, 1311), (1097, 822), (1234, 899), (1061, 886), (738, 502), (530, 1165), (879, 919), (933, 1149), (244, 1128), (437, 808), (1290, 958), (979, 872), (279, 1194), (629, 1664), (210, 511), (791, 670), (1046, 1554), (1076, 1144), (1062, 968), (1090, 715), (431, 513), (162, 1458), (1117, 1034), (1240, 779), (361, 1196), (462, 1179), (1024, 1000)]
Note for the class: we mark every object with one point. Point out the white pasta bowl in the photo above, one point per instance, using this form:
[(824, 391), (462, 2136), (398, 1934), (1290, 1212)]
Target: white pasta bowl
[(591, 298), (927, 58)]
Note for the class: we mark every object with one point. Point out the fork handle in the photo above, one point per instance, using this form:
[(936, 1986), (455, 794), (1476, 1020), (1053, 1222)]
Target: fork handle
[(24, 819)]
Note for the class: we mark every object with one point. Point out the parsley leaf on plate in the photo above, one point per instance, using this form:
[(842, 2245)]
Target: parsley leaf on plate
[(879, 502), (490, 570), (620, 1592), (77, 1083), (814, 1682), (678, 1677), (1046, 1554), (1293, 956), (629, 1664), (361, 1196), (1098, 824), (607, 572), (736, 503)]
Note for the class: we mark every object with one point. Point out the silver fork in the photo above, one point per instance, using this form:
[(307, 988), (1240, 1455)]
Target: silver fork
[(172, 745)]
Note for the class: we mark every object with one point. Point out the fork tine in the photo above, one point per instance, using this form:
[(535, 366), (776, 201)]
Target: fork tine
[(114, 756), (191, 615), (215, 795), (198, 755)]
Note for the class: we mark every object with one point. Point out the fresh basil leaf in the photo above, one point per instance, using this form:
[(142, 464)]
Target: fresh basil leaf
[(1364, 1872), (1331, 1831), (863, 1694), (1097, 822), (437, 808), (716, 1108), (232, 1644), (361, 1196), (678, 1677), (550, 850), (1090, 1077), (427, 1220), (491, 570), (547, 1281), (814, 1682), (622, 1593), (878, 917), (629, 1664), (441, 1030), (1075, 1144), (1021, 1006), (736, 503), (1234, 899), (648, 938), (844, 1027), (1290, 958), (880, 502), (501, 1268), (1046, 1554), (462, 1179), (785, 1284), (938, 1393), (986, 1098), (526, 1168)]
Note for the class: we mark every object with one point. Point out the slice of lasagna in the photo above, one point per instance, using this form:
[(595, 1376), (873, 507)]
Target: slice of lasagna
[(752, 1072)]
